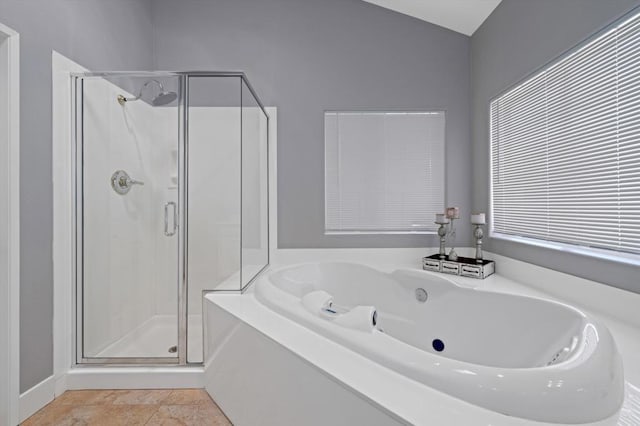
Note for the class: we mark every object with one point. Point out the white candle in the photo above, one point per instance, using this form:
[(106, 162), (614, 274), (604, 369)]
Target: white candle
[(441, 219), (453, 213), (478, 219)]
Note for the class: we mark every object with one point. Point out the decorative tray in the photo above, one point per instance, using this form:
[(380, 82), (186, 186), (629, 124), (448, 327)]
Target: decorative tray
[(463, 266)]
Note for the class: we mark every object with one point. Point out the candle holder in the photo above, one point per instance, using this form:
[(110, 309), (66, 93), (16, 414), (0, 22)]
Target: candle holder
[(477, 220), (442, 233), (478, 233), (452, 213), (452, 263), (452, 236)]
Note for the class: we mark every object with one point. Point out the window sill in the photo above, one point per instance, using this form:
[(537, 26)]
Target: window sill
[(610, 255), (380, 232)]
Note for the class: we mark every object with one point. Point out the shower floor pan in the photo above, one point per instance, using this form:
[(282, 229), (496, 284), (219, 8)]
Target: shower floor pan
[(155, 337)]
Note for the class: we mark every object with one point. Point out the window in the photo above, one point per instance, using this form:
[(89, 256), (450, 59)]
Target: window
[(384, 171), (565, 148)]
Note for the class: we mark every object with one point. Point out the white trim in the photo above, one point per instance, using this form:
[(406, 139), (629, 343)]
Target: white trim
[(37, 397), (63, 219), (10, 169), (135, 377)]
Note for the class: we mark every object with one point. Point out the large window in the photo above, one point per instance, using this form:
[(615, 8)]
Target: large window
[(565, 148), (384, 171)]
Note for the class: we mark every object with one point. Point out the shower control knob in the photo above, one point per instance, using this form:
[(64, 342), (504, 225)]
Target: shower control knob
[(122, 183)]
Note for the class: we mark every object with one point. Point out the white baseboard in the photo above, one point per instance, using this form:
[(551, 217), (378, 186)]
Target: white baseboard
[(37, 397), (60, 384), (108, 378), (134, 378)]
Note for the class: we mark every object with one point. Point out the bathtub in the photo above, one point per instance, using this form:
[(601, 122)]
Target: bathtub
[(519, 356)]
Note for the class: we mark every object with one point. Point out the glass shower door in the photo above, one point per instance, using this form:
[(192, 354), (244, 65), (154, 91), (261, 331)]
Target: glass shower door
[(128, 217)]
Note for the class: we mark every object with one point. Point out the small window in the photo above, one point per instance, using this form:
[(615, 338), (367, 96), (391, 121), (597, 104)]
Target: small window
[(565, 148), (384, 171)]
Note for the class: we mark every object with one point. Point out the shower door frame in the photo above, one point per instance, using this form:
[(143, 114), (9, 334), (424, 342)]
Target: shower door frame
[(77, 184), (183, 193)]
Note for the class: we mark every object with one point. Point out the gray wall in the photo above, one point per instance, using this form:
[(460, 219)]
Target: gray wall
[(519, 37), (303, 56), (307, 56), (113, 34)]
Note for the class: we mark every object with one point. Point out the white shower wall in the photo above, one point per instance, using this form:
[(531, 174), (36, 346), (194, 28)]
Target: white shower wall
[(224, 142), (222, 146), (214, 201)]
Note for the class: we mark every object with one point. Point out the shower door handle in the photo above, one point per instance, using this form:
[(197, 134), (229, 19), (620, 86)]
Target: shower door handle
[(171, 232)]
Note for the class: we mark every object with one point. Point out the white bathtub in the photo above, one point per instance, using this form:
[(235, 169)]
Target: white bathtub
[(515, 355)]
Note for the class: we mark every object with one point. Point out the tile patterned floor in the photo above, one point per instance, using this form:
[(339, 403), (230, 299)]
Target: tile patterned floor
[(162, 407)]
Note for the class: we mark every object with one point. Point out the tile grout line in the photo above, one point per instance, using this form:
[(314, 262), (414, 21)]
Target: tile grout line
[(157, 410), (151, 415)]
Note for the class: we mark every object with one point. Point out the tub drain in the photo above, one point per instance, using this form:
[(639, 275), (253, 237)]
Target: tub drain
[(421, 295), (173, 349)]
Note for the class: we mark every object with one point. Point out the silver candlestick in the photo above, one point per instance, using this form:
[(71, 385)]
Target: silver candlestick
[(452, 213), (453, 256), (478, 233), (442, 232)]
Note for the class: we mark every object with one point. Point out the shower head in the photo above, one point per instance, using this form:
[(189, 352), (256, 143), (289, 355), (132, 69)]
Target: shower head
[(162, 98)]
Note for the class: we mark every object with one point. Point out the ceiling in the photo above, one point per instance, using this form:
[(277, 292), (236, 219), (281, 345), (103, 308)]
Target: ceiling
[(463, 16)]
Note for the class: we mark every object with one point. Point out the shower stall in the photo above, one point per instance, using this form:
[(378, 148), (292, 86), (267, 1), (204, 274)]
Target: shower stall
[(171, 192)]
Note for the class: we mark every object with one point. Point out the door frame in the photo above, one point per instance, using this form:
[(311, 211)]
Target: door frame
[(75, 142), (63, 220), (67, 351), (10, 218)]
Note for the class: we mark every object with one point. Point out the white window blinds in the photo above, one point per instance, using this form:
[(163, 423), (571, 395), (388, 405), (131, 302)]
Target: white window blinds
[(384, 171), (565, 147)]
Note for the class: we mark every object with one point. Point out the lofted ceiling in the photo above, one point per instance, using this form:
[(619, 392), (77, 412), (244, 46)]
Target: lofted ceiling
[(463, 16)]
